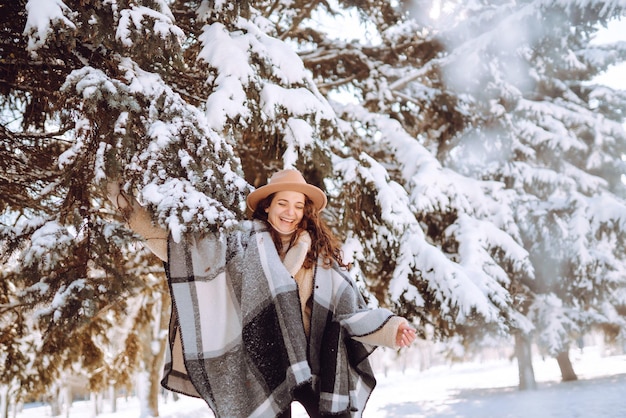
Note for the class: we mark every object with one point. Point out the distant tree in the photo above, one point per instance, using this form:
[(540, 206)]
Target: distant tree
[(531, 119)]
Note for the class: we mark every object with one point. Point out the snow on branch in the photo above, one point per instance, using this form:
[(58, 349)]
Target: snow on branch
[(391, 198), (297, 101), (46, 241), (43, 17), (160, 144), (429, 185), (602, 56), (136, 21), (248, 59), (460, 289), (586, 182), (298, 135), (178, 203), (475, 278), (607, 209), (61, 299), (477, 238)]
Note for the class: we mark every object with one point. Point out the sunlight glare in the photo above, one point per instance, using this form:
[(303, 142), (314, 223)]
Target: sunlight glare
[(435, 11)]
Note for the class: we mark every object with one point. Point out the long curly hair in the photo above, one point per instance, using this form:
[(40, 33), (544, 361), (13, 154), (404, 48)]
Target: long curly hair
[(324, 244)]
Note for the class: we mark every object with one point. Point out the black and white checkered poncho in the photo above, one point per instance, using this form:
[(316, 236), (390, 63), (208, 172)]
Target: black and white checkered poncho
[(236, 333)]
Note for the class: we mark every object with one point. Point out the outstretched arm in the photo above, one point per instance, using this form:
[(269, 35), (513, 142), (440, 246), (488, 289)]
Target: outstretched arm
[(139, 220), (396, 333)]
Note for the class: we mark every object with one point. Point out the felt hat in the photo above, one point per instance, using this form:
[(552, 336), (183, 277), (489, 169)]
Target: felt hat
[(287, 180)]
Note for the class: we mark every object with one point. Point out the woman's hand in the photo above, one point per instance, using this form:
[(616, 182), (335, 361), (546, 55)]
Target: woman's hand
[(113, 191), (115, 195), (405, 336)]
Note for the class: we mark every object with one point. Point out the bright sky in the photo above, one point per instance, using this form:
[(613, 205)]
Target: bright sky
[(614, 77)]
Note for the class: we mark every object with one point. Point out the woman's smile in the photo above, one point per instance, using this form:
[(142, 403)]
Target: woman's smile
[(286, 211)]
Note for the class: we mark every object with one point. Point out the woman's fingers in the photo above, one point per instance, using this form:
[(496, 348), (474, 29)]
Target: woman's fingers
[(406, 335)]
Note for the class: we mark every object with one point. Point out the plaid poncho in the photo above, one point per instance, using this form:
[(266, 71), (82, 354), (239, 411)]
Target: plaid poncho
[(236, 335)]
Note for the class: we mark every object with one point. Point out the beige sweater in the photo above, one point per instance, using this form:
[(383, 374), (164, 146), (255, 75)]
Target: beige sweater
[(156, 237)]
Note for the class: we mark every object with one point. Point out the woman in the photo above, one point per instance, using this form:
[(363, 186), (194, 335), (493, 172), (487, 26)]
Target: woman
[(265, 314)]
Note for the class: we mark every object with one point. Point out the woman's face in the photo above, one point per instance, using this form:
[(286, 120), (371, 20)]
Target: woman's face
[(286, 211)]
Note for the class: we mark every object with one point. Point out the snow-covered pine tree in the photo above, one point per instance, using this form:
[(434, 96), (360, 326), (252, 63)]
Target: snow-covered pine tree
[(523, 72), (74, 104), (572, 229), (400, 209), (442, 247), (96, 91), (489, 121)]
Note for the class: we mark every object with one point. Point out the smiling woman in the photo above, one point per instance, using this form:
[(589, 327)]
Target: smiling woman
[(235, 340)]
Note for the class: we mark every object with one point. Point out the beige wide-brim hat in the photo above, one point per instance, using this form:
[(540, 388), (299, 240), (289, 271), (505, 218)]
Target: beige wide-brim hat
[(287, 180)]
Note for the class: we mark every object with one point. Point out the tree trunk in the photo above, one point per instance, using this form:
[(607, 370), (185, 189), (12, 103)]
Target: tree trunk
[(67, 397), (4, 402), (55, 402), (155, 338), (524, 363), (113, 396), (567, 371), (95, 403), (143, 387)]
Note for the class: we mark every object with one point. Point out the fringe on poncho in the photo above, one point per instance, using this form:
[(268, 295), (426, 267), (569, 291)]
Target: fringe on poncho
[(236, 337)]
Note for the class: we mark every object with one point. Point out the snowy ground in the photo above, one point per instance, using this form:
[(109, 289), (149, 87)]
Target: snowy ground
[(463, 390)]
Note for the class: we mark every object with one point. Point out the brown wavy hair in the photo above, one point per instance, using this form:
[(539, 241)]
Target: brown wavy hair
[(324, 244)]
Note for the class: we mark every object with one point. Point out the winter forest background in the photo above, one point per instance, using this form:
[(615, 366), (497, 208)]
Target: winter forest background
[(475, 168)]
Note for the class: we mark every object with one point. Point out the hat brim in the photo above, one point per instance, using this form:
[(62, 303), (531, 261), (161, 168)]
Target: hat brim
[(317, 196)]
